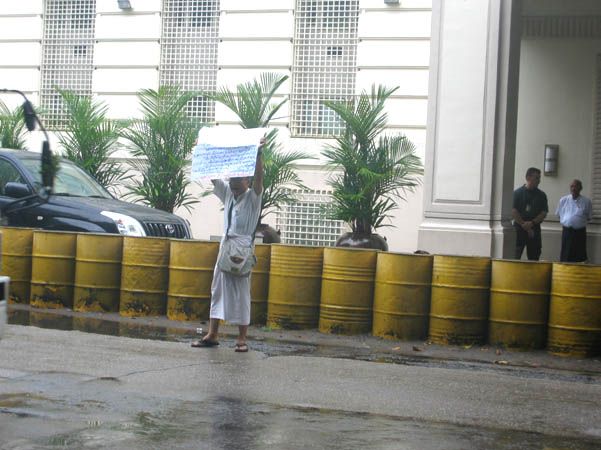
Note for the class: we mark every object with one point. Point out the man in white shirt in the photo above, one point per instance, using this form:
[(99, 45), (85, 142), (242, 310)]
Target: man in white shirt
[(574, 211)]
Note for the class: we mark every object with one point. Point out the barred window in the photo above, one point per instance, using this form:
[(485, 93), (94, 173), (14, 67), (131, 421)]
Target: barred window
[(324, 67), (67, 54), (190, 37), (305, 223)]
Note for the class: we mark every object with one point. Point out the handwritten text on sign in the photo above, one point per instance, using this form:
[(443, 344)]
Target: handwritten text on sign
[(210, 163), (225, 153)]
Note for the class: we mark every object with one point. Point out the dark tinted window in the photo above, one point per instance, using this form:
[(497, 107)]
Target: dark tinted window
[(8, 173)]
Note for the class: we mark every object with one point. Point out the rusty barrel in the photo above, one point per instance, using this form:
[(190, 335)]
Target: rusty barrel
[(52, 269), (519, 304), (575, 310), (144, 276), (459, 303), (17, 246), (347, 290), (402, 296), (294, 286), (191, 266), (98, 272), (259, 285)]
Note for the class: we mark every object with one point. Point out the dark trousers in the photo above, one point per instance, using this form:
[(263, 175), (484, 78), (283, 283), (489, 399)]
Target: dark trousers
[(533, 244), (573, 245)]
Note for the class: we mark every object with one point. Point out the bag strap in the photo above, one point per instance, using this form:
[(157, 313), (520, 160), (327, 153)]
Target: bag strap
[(229, 222)]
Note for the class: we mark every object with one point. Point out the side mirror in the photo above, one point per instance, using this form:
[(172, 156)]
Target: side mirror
[(16, 190)]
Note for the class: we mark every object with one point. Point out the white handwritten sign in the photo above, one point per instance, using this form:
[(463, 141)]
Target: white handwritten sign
[(225, 152)]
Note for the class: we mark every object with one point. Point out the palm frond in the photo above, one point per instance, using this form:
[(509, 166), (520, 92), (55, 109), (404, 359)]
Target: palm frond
[(12, 127), (368, 170), (162, 141)]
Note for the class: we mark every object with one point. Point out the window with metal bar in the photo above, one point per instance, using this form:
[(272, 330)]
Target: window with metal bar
[(304, 222), (325, 64), (67, 54), (190, 37)]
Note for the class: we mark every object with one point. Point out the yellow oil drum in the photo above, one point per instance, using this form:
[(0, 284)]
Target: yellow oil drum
[(97, 272), (259, 285), (294, 286), (402, 296), (144, 276), (459, 303), (191, 266), (347, 290), (519, 304), (17, 245), (575, 310), (52, 269)]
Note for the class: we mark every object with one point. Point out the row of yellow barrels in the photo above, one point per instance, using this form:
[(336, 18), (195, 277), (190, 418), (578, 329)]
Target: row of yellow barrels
[(454, 300), (111, 273), (448, 299)]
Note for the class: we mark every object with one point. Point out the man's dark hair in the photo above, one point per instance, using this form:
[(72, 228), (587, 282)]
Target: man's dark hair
[(531, 171)]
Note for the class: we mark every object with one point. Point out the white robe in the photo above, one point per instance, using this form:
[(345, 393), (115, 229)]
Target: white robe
[(230, 294)]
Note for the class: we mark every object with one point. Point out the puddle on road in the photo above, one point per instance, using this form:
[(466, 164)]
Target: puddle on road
[(227, 423), (144, 329)]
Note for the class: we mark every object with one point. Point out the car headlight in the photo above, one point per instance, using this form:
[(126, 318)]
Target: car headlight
[(126, 225)]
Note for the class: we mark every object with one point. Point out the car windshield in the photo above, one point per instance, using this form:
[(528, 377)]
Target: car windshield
[(70, 180)]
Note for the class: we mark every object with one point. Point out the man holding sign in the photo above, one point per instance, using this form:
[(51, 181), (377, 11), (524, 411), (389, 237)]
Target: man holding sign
[(230, 290)]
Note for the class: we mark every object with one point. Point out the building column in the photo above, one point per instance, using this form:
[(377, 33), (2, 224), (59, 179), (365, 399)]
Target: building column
[(472, 115)]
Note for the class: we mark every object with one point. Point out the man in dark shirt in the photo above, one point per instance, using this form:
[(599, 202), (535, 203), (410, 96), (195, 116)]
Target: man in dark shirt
[(529, 210)]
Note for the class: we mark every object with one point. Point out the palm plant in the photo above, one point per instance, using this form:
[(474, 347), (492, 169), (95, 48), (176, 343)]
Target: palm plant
[(89, 138), (12, 127), (370, 170), (252, 103), (162, 141)]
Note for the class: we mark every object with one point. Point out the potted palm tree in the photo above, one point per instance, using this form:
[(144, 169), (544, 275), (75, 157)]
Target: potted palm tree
[(89, 138), (252, 103), (162, 142), (370, 171)]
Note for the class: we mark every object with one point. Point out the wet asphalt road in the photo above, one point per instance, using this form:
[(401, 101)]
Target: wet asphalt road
[(67, 389)]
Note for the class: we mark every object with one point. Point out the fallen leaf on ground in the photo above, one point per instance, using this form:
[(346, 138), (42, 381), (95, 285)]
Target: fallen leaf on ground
[(396, 348), (501, 362), (416, 349)]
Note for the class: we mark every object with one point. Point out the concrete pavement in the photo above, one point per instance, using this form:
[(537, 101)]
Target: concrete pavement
[(65, 382)]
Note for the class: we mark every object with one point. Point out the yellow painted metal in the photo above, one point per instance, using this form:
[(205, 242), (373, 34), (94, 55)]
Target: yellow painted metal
[(191, 268), (144, 276), (575, 310), (519, 304), (347, 290), (402, 296), (259, 285), (17, 245), (294, 286), (98, 272), (52, 269), (459, 304)]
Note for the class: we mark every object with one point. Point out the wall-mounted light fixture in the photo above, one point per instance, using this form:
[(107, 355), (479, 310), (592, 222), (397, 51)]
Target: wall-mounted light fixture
[(124, 4), (551, 159)]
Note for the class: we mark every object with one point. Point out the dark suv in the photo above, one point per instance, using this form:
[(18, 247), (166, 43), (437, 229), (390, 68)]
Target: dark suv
[(77, 203)]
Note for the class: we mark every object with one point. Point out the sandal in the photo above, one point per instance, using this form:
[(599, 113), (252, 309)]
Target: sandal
[(204, 343), (241, 348)]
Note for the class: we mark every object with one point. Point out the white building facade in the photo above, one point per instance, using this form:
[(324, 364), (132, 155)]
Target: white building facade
[(331, 49), (509, 78)]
